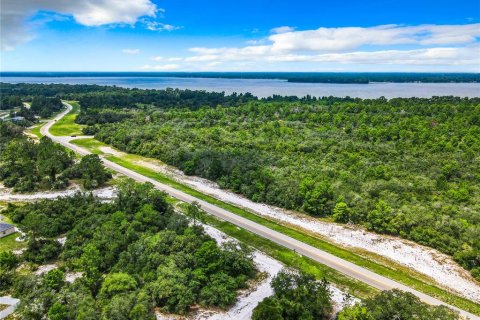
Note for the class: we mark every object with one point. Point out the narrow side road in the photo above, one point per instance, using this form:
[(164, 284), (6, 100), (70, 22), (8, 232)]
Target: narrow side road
[(343, 266)]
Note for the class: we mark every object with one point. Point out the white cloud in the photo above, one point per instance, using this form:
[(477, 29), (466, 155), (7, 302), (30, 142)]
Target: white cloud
[(431, 56), (283, 29), (131, 51), (172, 59), (15, 13), (427, 45), (344, 39), (164, 67), (159, 26)]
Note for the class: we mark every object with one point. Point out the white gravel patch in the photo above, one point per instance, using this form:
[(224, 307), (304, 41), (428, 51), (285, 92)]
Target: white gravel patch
[(19, 251), (69, 276), (62, 240), (72, 276), (112, 151), (6, 194), (45, 268), (430, 262)]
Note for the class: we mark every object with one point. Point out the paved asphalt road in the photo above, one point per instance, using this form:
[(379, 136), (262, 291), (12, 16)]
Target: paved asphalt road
[(323, 257)]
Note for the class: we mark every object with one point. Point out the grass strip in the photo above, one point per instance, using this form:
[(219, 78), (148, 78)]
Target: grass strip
[(66, 126), (36, 130)]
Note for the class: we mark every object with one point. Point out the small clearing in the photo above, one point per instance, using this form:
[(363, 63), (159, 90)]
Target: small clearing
[(110, 150), (8, 195)]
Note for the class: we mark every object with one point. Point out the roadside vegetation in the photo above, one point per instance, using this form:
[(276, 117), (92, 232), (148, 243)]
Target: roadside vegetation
[(300, 296), (287, 256), (395, 304), (404, 167)]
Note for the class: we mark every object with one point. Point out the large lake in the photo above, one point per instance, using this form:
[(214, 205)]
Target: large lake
[(268, 87)]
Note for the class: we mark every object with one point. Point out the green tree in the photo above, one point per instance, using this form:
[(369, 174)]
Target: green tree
[(194, 212), (381, 217), (8, 260), (355, 312), (54, 279), (341, 212), (116, 283), (58, 311), (396, 304), (268, 309)]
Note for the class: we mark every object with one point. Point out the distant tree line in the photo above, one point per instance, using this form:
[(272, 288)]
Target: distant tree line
[(312, 77)]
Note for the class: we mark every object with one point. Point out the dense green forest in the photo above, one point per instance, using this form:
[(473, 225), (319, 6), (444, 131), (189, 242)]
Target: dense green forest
[(45, 107), (134, 254), (406, 167), (26, 165), (10, 101)]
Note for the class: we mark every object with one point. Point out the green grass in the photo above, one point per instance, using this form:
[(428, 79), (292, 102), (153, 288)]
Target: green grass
[(35, 130), (91, 144), (67, 126), (398, 274), (9, 243)]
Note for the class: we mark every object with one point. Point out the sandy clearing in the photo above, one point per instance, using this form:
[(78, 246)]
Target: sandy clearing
[(430, 262), (6, 194), (62, 240), (45, 268), (72, 276), (110, 150)]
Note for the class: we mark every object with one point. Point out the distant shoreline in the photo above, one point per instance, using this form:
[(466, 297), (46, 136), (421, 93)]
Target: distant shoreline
[(295, 77)]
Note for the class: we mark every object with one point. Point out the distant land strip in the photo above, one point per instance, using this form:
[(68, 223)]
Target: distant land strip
[(299, 77)]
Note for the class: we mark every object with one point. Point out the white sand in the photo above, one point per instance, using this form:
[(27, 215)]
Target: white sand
[(72, 276), (110, 150), (6, 194), (62, 240), (430, 262), (45, 268)]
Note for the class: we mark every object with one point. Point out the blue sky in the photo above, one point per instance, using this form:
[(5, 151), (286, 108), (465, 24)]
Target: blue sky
[(147, 35)]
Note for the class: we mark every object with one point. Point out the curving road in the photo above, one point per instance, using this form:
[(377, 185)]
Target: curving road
[(343, 266)]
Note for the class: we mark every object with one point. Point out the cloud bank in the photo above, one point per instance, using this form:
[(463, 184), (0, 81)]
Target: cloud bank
[(423, 45), (15, 14)]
